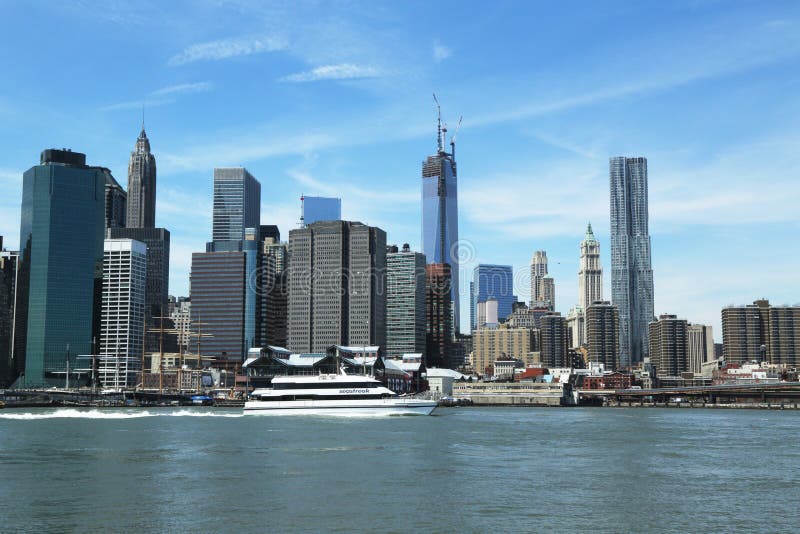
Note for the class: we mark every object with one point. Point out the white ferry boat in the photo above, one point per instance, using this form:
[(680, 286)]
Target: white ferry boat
[(328, 394)]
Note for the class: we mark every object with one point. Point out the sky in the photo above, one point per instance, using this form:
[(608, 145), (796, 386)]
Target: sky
[(335, 99)]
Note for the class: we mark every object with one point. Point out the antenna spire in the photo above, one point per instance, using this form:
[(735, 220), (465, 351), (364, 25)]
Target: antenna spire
[(439, 140)]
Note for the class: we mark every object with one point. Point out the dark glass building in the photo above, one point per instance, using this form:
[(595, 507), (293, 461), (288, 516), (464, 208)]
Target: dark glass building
[(237, 204), (8, 276), (438, 315), (116, 203), (61, 264)]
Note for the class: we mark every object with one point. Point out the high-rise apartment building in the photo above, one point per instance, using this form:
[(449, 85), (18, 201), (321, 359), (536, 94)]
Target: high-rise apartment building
[(237, 204), (405, 302), (492, 282), (318, 209), (699, 346), (438, 315), (761, 332), (337, 286), (554, 340), (602, 333), (61, 265), (631, 270), (440, 214), (538, 272), (668, 345), (590, 273), (122, 314), (141, 208)]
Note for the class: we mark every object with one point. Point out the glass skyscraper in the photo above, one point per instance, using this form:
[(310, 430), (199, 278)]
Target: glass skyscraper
[(317, 209), (61, 267), (492, 281), (631, 270), (237, 204), (440, 214)]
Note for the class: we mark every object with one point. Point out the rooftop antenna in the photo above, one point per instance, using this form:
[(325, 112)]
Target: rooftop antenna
[(302, 211), (143, 104), (439, 140)]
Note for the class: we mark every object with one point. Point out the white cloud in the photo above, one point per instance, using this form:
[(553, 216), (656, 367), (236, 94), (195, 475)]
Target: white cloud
[(162, 97), (227, 48), (196, 87), (441, 52), (342, 71)]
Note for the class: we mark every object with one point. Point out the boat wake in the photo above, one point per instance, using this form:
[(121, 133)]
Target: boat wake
[(77, 413)]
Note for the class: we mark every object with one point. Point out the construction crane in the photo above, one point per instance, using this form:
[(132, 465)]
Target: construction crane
[(453, 138)]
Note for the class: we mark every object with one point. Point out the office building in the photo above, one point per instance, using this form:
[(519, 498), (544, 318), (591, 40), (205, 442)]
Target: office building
[(274, 291), (538, 272), (141, 208), (318, 209), (668, 345), (489, 344), (405, 302), (116, 203), (523, 316), (590, 272), (602, 334), (61, 265), (699, 346), (180, 313), (547, 291), (438, 315), (631, 270), (218, 293), (487, 314), (554, 340), (761, 332), (122, 313), (8, 278), (440, 214), (337, 286), (237, 204), (576, 323), (492, 282), (157, 241)]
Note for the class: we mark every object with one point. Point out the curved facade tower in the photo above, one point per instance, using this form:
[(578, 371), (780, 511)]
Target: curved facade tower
[(440, 214), (141, 185), (590, 274)]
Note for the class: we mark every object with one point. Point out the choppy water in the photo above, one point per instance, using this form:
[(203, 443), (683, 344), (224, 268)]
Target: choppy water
[(464, 470)]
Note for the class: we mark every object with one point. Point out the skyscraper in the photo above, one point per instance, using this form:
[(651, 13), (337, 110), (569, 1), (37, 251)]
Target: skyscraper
[(440, 213), (590, 273), (141, 185), (631, 270), (61, 264), (337, 286), (699, 346), (492, 281), (438, 313), (122, 315), (405, 302), (538, 272), (273, 290), (547, 290), (668, 345), (317, 209), (8, 278), (116, 203), (602, 333), (237, 203), (555, 338)]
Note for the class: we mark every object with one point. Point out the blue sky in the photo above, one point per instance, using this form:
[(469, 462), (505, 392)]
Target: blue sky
[(334, 98)]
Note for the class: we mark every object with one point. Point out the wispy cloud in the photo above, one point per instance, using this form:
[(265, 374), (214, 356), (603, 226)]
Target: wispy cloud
[(441, 52), (162, 97), (342, 71), (227, 48)]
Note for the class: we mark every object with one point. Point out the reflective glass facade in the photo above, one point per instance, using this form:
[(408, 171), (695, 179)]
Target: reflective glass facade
[(61, 235), (440, 218), (316, 209), (492, 281), (237, 203)]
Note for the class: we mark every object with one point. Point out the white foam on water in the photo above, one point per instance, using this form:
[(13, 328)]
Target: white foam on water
[(76, 413)]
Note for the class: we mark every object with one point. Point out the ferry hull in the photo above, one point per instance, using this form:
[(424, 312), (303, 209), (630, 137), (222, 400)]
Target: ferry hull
[(340, 408)]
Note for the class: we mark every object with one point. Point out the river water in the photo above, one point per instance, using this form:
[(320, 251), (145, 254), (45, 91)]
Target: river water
[(462, 470)]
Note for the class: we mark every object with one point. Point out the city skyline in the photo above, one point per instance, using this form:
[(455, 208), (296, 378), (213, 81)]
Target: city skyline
[(720, 180)]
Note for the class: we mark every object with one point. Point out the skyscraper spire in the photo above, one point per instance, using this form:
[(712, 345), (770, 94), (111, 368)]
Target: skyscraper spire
[(439, 137), (141, 185)]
